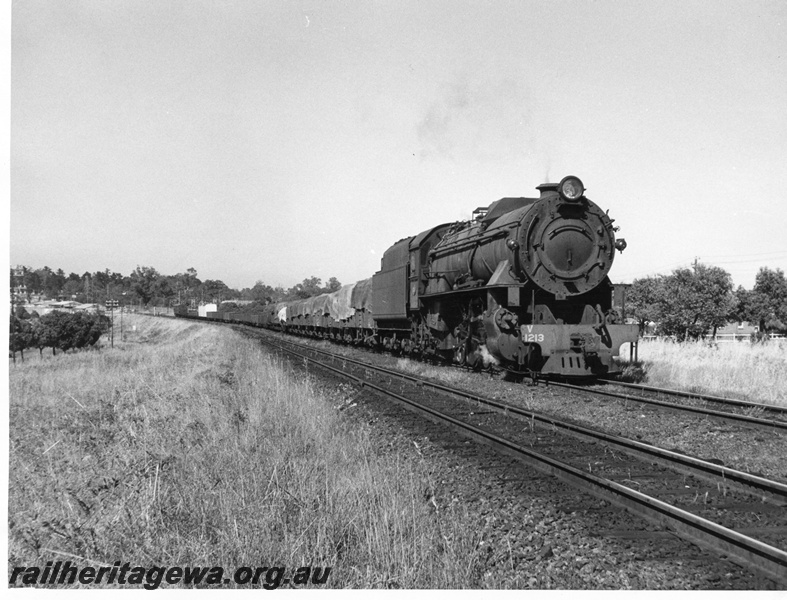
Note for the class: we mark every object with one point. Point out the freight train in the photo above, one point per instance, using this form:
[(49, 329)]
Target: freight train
[(523, 284)]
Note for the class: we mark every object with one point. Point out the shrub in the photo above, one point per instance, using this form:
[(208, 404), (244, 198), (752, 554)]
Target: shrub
[(60, 330)]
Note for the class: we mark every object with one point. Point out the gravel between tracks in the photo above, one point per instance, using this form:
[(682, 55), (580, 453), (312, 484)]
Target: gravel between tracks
[(744, 448), (535, 533)]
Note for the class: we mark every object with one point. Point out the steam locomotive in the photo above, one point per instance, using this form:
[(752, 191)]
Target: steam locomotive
[(523, 283)]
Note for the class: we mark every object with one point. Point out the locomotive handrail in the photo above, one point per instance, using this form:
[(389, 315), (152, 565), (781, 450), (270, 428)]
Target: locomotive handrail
[(451, 247)]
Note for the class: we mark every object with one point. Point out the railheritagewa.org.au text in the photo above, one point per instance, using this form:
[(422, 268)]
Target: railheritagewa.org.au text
[(61, 573)]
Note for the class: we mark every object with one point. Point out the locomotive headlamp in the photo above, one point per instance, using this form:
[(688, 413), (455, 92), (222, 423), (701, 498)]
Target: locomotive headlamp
[(571, 189)]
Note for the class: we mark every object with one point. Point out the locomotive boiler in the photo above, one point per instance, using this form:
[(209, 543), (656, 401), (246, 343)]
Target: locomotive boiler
[(524, 281)]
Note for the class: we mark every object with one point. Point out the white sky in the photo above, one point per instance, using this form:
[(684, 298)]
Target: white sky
[(281, 140)]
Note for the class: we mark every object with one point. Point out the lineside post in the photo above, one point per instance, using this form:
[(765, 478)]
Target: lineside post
[(112, 305)]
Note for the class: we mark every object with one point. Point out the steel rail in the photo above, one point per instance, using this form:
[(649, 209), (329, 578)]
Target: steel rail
[(697, 396), (759, 422), (667, 456), (692, 409), (752, 553), (671, 392), (756, 421)]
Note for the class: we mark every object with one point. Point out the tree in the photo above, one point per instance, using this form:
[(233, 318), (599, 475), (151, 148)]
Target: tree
[(40, 335), (89, 328), (261, 293), (32, 281), (105, 284), (770, 291), (20, 312), (49, 283), (306, 289), (74, 290), (164, 290), (87, 286), (185, 285), (644, 299), (65, 331), (333, 285), (215, 290), (695, 301), (60, 331), (58, 281), (20, 335), (143, 282)]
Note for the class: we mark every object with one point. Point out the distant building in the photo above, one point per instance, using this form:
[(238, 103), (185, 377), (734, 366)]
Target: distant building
[(204, 309), (44, 307), (736, 331)]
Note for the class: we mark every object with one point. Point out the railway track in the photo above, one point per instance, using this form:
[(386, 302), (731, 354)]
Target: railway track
[(736, 411), (734, 514), (740, 412)]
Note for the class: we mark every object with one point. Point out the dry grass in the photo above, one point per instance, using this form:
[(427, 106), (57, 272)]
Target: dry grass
[(188, 445), (750, 371), (447, 375)]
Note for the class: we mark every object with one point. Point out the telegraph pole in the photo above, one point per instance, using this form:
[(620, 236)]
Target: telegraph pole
[(112, 305), (122, 339), (13, 321), (16, 290)]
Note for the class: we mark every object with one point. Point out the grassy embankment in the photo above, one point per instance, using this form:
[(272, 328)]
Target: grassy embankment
[(188, 445), (753, 372), (741, 370)]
